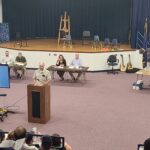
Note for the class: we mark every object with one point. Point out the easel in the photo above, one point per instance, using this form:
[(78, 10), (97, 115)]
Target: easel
[(64, 27)]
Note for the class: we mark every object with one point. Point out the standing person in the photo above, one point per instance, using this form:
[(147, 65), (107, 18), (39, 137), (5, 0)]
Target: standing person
[(61, 62), (20, 65), (76, 62), (41, 76)]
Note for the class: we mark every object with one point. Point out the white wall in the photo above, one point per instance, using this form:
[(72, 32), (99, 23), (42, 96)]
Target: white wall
[(1, 14), (95, 61)]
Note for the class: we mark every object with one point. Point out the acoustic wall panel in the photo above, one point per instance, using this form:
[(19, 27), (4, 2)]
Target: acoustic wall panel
[(4, 32)]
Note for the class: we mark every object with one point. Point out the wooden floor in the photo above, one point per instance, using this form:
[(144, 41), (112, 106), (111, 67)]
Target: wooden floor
[(52, 46)]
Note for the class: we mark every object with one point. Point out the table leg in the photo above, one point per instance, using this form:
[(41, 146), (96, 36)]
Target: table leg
[(52, 75), (84, 77)]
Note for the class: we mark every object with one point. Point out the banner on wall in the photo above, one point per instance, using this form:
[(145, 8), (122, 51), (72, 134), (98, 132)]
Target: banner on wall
[(4, 32)]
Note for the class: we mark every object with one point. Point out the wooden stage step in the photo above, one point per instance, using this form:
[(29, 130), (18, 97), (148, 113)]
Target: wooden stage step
[(51, 45)]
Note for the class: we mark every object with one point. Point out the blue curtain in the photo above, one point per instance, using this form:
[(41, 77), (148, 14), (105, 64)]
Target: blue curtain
[(140, 11), (40, 18)]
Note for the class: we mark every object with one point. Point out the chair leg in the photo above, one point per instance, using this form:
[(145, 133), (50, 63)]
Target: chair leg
[(112, 71)]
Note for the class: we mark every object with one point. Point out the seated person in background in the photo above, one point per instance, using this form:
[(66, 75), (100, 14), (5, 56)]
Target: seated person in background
[(7, 59), (46, 142), (61, 62), (20, 65), (41, 76), (10, 140), (57, 143), (19, 138), (20, 135), (29, 141), (11, 136), (76, 63)]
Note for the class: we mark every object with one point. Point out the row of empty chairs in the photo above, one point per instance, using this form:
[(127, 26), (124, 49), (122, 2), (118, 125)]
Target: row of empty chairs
[(86, 39), (107, 42), (95, 42)]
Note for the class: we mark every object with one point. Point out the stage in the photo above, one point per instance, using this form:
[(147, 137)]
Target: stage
[(51, 45), (47, 50)]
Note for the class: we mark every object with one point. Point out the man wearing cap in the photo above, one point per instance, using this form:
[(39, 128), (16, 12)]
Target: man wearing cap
[(41, 76)]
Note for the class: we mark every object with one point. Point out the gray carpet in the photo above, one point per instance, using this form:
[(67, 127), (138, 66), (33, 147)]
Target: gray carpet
[(104, 113)]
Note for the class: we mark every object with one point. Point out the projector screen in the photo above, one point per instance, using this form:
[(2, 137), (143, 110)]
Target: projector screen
[(4, 76)]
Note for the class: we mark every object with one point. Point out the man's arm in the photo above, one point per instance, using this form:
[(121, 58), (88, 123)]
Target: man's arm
[(25, 61), (34, 78), (48, 78)]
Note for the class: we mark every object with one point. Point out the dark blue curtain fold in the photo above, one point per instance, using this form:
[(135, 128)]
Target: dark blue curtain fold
[(140, 11), (40, 18)]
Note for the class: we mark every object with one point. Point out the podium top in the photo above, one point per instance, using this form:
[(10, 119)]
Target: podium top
[(32, 85)]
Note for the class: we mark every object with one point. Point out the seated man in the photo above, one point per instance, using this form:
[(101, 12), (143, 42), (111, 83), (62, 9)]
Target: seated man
[(20, 135), (41, 76), (20, 65), (46, 142), (18, 140), (58, 143), (7, 59), (76, 63)]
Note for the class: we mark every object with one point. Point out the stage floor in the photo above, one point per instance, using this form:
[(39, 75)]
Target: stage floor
[(51, 45)]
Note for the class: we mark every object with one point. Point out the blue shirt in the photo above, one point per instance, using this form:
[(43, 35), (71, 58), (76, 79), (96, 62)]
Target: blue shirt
[(76, 62)]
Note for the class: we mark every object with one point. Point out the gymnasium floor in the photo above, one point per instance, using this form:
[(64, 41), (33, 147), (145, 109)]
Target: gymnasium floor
[(104, 113)]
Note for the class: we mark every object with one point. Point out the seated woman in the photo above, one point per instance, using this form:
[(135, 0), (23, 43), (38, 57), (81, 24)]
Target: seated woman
[(61, 62)]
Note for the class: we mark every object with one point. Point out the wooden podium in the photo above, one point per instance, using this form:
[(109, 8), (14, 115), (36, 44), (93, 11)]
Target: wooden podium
[(38, 103)]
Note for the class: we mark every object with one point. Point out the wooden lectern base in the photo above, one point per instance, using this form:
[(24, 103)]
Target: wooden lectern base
[(38, 103)]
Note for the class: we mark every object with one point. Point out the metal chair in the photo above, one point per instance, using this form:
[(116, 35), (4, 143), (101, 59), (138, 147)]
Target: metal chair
[(106, 42), (96, 42), (67, 41), (114, 43), (86, 37), (18, 40), (112, 61)]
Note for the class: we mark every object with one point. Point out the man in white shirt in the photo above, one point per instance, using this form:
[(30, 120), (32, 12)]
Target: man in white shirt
[(76, 63), (41, 76), (7, 59), (19, 144)]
